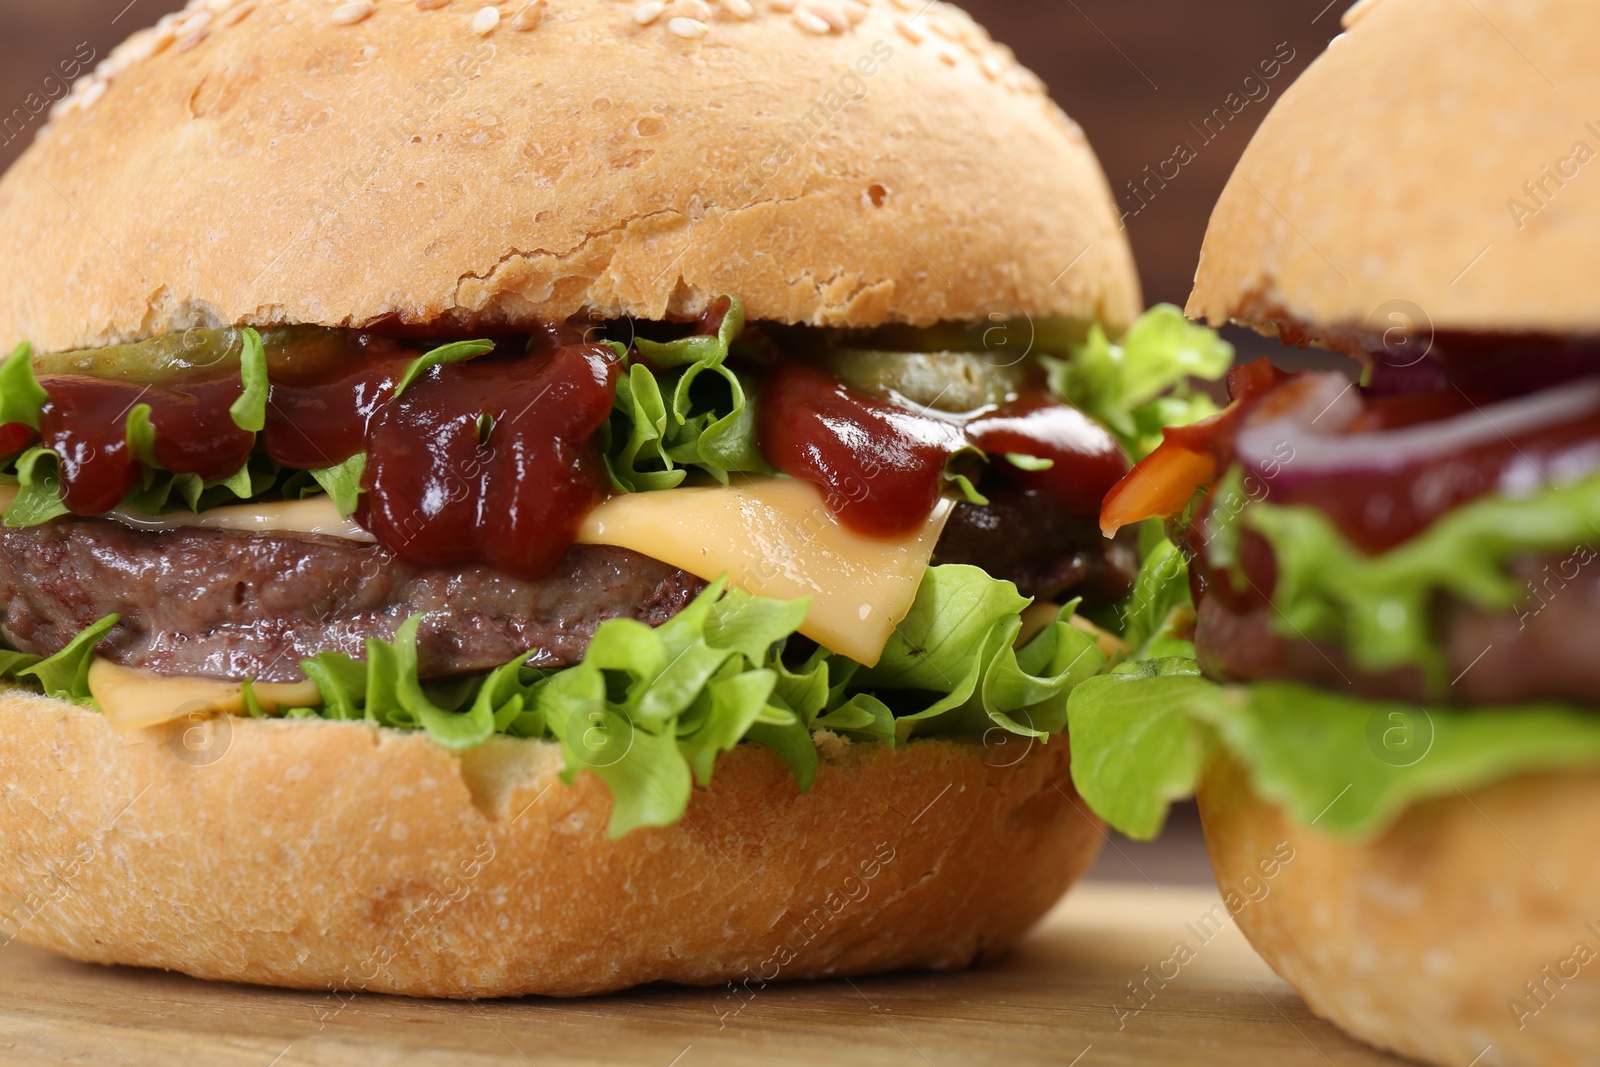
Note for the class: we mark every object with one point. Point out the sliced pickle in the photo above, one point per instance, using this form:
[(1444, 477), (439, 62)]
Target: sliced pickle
[(291, 351), (173, 355), (944, 381)]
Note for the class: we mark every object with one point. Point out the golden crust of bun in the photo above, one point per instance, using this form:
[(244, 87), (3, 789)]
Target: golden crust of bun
[(339, 855), (849, 163), (1425, 940), (1455, 183)]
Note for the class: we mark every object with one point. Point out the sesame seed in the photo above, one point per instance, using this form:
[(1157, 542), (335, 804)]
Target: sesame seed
[(830, 14), (856, 11), (909, 31), (136, 49), (648, 12), (905, 5), (189, 40), (948, 56), (783, 7), (484, 22), (96, 90), (431, 5), (812, 22), (237, 13), (740, 9), (220, 7), (353, 12), (694, 9), (530, 16), (192, 21), (942, 27), (993, 66), (687, 28)]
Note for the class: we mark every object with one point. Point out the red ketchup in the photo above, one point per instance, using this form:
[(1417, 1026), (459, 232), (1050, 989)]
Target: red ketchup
[(14, 437), (880, 465), (85, 423), (324, 396), (1085, 460), (440, 490)]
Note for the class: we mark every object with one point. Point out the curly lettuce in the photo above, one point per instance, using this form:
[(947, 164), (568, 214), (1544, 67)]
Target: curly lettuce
[(680, 408), (1379, 606), (1143, 734), (1142, 384), (648, 710), (64, 675)]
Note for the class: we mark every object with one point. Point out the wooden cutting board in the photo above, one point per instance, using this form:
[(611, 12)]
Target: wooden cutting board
[(1061, 998)]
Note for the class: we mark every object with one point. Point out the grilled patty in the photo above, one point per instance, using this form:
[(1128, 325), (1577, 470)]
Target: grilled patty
[(233, 605), (1543, 650)]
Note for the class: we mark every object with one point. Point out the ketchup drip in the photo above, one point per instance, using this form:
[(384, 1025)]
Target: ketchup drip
[(444, 486), (880, 465), (325, 395), (85, 423), (14, 437), (1085, 461)]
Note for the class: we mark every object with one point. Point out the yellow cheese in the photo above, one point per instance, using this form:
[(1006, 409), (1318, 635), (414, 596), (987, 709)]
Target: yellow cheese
[(316, 515), (772, 536), (776, 538), (134, 699)]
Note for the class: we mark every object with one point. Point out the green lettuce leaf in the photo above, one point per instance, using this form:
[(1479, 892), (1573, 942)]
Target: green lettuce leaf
[(38, 497), (1135, 747), (1158, 616), (456, 352), (21, 396), (1380, 606), (649, 710), (680, 407), (141, 435), (64, 675), (249, 412), (1140, 739), (1140, 385), (342, 482)]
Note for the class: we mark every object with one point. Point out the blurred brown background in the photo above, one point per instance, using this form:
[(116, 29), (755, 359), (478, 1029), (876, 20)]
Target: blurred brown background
[(1142, 76)]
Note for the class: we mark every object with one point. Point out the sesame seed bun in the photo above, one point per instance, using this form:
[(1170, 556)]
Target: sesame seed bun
[(1403, 172), (337, 855), (1469, 923), (841, 163)]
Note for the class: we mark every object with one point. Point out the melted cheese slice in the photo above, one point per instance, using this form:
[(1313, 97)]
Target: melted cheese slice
[(135, 700), (776, 538), (773, 537)]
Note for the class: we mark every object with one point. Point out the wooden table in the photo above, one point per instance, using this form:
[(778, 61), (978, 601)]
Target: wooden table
[(1059, 999)]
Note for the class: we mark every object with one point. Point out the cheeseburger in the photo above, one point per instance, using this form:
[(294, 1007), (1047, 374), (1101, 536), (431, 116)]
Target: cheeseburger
[(1391, 702), (545, 497)]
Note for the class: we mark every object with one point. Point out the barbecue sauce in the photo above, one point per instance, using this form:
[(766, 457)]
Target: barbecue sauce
[(881, 465), (325, 391), (492, 461), (496, 460), (85, 423)]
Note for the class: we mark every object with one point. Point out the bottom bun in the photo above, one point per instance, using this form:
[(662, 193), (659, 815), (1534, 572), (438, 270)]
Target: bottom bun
[(337, 855), (1469, 932)]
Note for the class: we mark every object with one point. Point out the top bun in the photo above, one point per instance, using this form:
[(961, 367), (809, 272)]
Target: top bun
[(1435, 164), (848, 163)]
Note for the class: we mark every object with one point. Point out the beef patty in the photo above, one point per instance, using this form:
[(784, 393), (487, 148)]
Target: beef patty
[(1542, 650), (233, 605)]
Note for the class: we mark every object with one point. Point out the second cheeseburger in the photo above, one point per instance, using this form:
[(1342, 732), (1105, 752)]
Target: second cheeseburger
[(1393, 716), (446, 438)]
